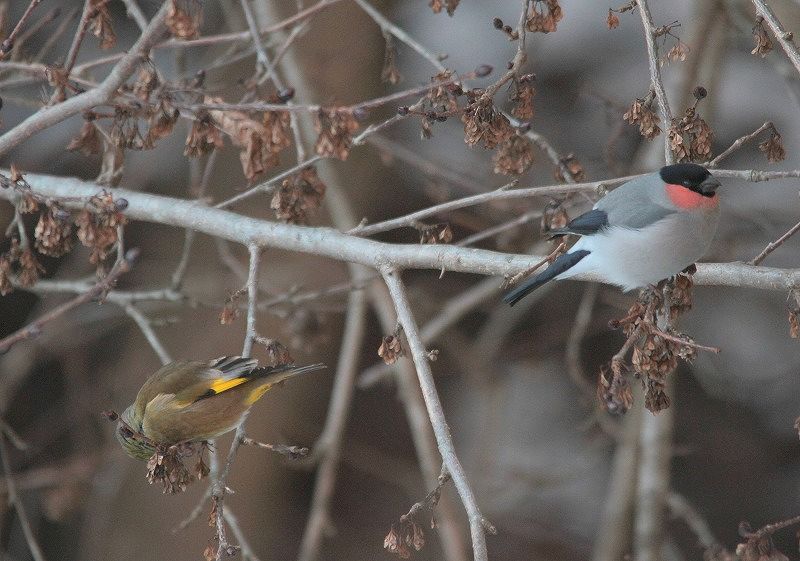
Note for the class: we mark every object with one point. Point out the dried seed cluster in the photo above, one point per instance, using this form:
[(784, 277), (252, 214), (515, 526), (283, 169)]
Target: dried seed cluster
[(544, 16), (391, 348), (522, 95), (641, 113), (690, 138), (484, 123), (335, 127), (514, 156), (184, 18), (655, 351), (98, 225), (773, 147), (298, 196), (438, 5), (573, 166), (403, 538), (763, 44), (435, 233), (100, 23), (167, 467)]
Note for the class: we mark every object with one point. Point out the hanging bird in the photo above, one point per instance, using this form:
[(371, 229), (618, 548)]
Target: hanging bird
[(193, 401), (644, 231)]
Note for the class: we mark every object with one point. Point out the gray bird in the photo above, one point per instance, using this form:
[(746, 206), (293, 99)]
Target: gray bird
[(644, 231)]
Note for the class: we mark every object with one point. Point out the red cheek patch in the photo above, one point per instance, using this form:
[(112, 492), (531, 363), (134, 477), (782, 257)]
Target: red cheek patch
[(682, 197)]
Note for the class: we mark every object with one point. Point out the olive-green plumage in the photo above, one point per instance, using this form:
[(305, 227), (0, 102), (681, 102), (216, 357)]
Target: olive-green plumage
[(191, 401)]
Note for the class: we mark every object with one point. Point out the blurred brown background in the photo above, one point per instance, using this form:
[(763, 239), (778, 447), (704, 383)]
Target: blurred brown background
[(538, 463)]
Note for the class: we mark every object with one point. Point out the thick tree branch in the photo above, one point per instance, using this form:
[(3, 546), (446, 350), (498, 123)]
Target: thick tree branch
[(336, 245)]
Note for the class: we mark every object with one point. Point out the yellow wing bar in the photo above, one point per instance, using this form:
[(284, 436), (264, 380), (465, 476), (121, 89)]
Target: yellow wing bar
[(221, 384)]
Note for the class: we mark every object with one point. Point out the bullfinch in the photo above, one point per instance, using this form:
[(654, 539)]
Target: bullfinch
[(644, 231), (193, 401)]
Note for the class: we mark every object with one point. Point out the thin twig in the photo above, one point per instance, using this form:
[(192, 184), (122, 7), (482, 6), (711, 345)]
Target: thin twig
[(252, 297), (147, 330), (425, 443), (519, 58), (684, 342), (15, 440), (14, 498), (328, 448), (77, 39), (401, 35), (293, 452), (572, 352), (680, 507), (103, 286), (655, 73), (450, 314), (478, 524), (8, 43), (772, 246), (103, 93), (785, 38), (738, 143), (776, 526), (135, 12), (503, 193)]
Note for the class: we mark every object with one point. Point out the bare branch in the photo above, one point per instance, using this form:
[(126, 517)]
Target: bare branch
[(785, 38), (50, 116), (653, 483), (103, 286), (330, 243), (252, 297), (738, 144), (655, 73), (147, 330), (8, 43), (772, 246), (328, 448), (478, 525), (14, 498)]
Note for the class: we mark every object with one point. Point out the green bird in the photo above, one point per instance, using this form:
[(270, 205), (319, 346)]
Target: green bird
[(193, 401)]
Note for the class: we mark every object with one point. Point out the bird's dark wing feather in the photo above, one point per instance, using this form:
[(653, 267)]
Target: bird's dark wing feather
[(561, 264), (587, 223)]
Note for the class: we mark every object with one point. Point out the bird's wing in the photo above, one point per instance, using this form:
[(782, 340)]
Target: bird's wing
[(633, 205), (630, 206), (188, 380), (587, 223)]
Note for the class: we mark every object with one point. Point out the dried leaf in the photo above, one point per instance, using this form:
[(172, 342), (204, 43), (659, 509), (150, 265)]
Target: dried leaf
[(184, 18), (612, 21), (100, 24), (391, 349), (773, 148), (53, 232)]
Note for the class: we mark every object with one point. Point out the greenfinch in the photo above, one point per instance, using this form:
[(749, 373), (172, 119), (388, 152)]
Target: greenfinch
[(194, 401)]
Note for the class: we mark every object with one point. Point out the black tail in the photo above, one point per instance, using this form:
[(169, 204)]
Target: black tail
[(563, 263), (277, 374)]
